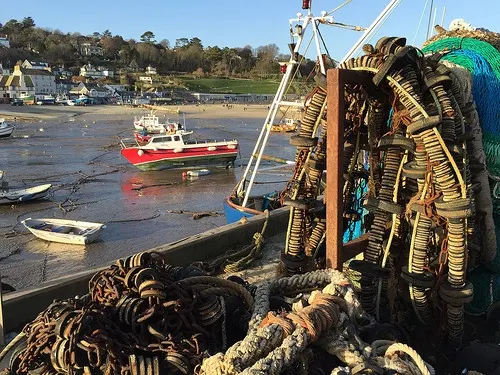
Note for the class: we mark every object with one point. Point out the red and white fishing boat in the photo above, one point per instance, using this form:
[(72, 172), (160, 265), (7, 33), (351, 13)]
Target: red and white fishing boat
[(143, 137), (173, 151)]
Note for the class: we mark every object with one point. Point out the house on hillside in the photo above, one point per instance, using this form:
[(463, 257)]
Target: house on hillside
[(60, 71), (23, 80), (133, 66), (106, 72), (151, 71), (146, 79), (92, 90), (44, 80), (117, 88), (89, 71), (63, 86), (88, 49), (4, 42), (15, 86), (4, 71), (39, 65)]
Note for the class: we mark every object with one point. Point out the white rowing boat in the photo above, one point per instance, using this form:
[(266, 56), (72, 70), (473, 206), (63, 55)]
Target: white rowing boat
[(65, 231), (23, 195), (5, 129), (198, 172)]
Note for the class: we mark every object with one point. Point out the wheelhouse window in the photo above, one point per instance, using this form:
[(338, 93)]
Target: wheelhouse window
[(177, 138)]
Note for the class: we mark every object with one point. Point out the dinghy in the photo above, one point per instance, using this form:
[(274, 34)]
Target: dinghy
[(5, 129), (198, 172), (9, 195), (65, 231)]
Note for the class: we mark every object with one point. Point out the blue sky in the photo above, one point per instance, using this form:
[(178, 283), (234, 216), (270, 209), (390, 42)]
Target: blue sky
[(236, 23)]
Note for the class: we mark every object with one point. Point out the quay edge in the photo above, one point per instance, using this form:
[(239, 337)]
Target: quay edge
[(23, 306)]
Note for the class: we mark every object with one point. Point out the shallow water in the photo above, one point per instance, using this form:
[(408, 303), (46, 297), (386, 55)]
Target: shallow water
[(93, 182)]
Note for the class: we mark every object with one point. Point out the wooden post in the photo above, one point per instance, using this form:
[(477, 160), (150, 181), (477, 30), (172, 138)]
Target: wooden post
[(336, 252), (334, 167)]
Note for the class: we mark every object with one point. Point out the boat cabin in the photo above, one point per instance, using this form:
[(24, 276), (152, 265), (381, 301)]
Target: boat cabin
[(168, 141)]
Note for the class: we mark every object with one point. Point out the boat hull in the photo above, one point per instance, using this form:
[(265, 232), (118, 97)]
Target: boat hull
[(24, 195), (6, 132), (92, 233), (235, 212), (150, 160)]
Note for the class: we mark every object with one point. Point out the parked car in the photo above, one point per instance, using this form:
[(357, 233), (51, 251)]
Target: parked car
[(17, 102)]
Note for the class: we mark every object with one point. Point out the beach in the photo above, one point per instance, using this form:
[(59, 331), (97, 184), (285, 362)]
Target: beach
[(77, 150)]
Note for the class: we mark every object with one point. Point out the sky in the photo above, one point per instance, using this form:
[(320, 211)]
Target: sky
[(238, 23)]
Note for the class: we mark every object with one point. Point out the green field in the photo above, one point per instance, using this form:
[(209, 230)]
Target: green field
[(232, 86)]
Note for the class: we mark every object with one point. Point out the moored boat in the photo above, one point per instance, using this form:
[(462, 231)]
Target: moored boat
[(173, 151), (143, 137), (10, 195), (288, 125), (5, 129), (198, 173), (151, 123), (64, 231)]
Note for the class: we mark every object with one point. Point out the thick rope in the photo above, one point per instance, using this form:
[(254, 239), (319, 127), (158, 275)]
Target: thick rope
[(424, 368)]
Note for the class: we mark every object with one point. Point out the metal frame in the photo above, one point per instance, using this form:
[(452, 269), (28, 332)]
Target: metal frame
[(304, 21), (336, 251)]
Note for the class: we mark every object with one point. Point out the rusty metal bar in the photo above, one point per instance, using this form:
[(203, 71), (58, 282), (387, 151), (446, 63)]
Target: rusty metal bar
[(336, 251)]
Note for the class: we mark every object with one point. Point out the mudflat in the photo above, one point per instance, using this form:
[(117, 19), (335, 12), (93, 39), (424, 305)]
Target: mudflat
[(77, 150)]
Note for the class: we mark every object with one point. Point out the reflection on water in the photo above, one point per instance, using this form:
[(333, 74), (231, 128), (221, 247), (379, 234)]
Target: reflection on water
[(157, 183)]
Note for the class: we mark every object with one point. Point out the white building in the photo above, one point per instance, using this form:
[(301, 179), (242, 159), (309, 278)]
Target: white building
[(39, 65), (150, 70), (44, 80), (108, 73), (89, 71), (87, 49), (4, 42), (16, 85), (146, 79)]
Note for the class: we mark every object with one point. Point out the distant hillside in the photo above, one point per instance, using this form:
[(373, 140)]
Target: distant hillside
[(72, 50)]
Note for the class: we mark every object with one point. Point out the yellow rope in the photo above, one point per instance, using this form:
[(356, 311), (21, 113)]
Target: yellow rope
[(424, 368)]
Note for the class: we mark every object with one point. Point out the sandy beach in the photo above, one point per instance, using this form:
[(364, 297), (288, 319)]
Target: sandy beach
[(77, 150), (46, 112)]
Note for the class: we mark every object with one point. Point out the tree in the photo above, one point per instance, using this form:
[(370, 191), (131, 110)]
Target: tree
[(111, 46), (268, 52), (181, 43), (195, 42), (107, 33), (212, 56), (12, 26), (28, 22), (148, 37), (165, 43)]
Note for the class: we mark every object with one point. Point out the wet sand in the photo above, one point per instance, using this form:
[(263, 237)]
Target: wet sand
[(76, 149)]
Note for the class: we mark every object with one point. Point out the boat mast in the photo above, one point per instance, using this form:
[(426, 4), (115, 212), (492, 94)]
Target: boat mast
[(277, 101), (303, 23)]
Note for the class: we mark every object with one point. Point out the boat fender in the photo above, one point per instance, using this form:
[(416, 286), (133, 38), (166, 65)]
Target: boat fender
[(212, 148), (177, 150), (155, 149), (231, 147), (140, 152)]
